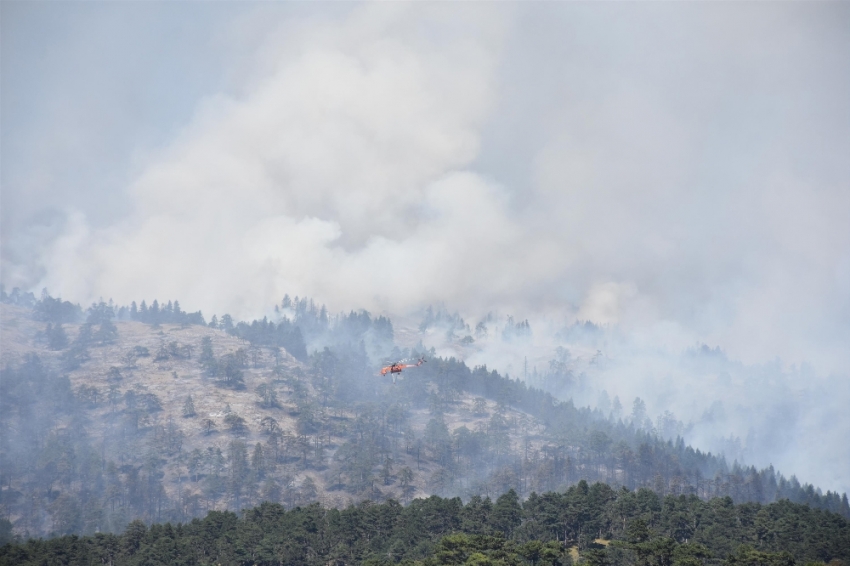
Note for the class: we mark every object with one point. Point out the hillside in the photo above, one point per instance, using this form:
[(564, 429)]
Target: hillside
[(127, 401), (126, 413)]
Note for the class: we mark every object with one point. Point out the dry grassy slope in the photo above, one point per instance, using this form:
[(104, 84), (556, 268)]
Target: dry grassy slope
[(17, 333), (20, 335)]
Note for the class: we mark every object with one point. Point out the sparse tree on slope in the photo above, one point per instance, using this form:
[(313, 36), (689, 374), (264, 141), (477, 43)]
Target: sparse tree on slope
[(189, 407)]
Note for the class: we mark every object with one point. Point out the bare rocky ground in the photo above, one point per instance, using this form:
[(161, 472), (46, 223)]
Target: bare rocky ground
[(172, 379)]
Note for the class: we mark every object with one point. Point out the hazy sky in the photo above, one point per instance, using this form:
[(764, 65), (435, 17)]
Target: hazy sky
[(678, 170)]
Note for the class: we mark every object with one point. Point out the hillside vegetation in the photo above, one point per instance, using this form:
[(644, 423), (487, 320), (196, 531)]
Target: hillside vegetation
[(151, 413), (594, 525)]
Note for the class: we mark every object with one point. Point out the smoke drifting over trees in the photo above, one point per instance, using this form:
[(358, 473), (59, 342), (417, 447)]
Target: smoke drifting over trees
[(114, 437), (655, 193), (538, 160)]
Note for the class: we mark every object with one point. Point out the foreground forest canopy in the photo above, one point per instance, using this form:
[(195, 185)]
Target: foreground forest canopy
[(112, 414), (594, 525)]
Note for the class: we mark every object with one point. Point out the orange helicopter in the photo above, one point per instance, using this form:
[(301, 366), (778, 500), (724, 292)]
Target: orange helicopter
[(398, 367)]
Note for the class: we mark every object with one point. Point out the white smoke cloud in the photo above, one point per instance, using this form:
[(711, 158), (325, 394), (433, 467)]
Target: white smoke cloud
[(341, 171)]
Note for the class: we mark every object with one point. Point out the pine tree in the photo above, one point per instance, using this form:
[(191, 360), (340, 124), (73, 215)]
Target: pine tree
[(188, 407), (107, 332), (507, 514), (207, 358), (258, 461), (57, 339)]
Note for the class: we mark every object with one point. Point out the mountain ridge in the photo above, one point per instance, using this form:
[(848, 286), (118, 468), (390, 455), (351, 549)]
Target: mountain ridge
[(111, 442)]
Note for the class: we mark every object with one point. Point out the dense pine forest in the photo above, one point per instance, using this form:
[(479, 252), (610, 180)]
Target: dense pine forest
[(118, 414), (592, 524)]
